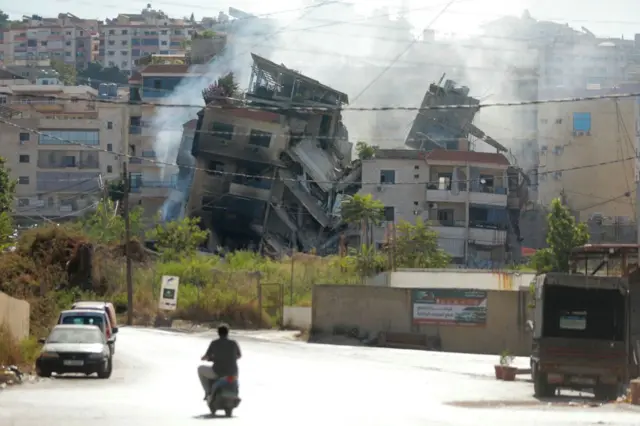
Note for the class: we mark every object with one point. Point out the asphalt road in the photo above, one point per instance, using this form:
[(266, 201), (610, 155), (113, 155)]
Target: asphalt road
[(290, 383)]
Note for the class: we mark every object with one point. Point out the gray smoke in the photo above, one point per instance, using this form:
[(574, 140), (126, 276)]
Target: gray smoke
[(333, 43)]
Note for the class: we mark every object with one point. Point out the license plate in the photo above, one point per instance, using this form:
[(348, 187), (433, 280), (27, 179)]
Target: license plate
[(583, 381), (73, 362)]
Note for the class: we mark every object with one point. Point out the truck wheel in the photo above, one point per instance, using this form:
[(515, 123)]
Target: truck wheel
[(541, 387), (606, 392)]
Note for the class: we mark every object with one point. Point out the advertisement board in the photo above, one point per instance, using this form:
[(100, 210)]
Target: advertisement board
[(169, 293), (450, 307)]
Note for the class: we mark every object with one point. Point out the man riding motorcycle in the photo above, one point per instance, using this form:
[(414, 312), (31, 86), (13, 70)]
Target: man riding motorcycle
[(225, 354)]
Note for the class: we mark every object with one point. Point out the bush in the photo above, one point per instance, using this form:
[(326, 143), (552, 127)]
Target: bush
[(57, 265), (14, 352)]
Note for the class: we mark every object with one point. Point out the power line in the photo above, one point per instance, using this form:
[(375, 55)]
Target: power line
[(310, 109), (244, 175)]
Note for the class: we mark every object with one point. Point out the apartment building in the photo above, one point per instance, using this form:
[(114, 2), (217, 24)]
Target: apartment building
[(65, 38), (464, 194), (128, 38), (272, 179), (152, 84), (61, 165), (586, 156)]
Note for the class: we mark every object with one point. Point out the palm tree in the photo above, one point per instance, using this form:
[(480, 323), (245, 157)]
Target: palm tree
[(363, 209)]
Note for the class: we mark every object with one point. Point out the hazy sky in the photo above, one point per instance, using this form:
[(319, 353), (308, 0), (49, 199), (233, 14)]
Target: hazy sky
[(613, 18)]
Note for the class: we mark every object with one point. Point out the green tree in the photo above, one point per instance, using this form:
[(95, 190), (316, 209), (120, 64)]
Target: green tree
[(563, 235), (4, 19), (178, 239), (67, 73), (365, 151), (224, 87), (107, 226), (363, 209), (192, 18), (416, 246), (7, 191)]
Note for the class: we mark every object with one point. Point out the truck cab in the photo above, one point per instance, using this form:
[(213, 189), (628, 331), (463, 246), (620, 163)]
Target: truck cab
[(586, 324)]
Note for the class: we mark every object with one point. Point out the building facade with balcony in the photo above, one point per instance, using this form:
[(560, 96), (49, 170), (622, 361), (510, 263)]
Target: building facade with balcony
[(65, 38), (130, 37), (267, 179), (67, 146), (464, 195)]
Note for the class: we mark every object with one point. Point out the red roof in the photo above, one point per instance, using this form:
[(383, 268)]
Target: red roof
[(467, 157)]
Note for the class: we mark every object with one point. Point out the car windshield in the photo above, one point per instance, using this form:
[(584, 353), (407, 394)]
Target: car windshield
[(75, 335), (84, 320)]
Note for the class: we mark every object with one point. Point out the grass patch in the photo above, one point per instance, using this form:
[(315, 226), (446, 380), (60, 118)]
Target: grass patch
[(56, 266), (13, 352)]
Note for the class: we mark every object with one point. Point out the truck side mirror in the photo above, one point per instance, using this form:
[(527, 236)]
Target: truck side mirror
[(529, 326)]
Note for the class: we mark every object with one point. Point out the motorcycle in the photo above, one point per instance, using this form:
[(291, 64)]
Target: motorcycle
[(224, 395)]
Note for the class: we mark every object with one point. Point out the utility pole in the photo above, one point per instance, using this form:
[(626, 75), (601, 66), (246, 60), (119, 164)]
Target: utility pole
[(127, 241)]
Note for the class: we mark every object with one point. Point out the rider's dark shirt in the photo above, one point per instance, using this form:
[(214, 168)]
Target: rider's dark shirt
[(224, 353)]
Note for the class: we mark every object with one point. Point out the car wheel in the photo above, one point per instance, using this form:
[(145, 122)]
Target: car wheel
[(43, 373), (105, 371)]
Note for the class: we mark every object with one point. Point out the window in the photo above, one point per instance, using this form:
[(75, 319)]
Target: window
[(444, 181), (390, 214), (24, 158), (124, 64), (157, 84), (69, 161), (445, 217), (111, 53), (558, 120), (23, 180), (222, 131), (24, 137), (63, 137), (124, 42), (163, 42), (109, 169), (23, 202), (3, 100), (573, 321), (112, 32), (259, 138), (582, 122), (416, 176), (416, 167), (215, 166), (387, 176), (124, 52), (544, 121), (112, 42), (109, 125), (110, 147)]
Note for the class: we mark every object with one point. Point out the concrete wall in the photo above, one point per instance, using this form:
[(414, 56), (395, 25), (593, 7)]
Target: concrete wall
[(14, 313), (453, 278), (375, 309), (297, 316)]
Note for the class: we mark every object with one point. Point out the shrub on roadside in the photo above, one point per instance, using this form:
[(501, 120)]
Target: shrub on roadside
[(14, 352)]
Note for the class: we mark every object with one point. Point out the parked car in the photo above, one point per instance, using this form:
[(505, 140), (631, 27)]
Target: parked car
[(75, 349), (91, 317), (100, 306)]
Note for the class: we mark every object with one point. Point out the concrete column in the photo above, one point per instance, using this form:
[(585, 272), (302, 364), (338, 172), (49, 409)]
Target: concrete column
[(466, 216)]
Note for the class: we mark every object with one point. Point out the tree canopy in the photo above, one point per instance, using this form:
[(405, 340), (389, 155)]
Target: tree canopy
[(66, 73), (563, 235), (95, 74)]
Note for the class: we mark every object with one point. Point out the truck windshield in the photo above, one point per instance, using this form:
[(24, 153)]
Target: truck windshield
[(571, 312)]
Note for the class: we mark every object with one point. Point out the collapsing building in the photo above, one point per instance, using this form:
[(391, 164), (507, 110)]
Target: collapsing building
[(493, 193), (270, 172)]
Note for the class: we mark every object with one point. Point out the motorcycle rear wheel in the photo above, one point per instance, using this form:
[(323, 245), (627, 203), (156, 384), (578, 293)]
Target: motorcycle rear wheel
[(228, 412)]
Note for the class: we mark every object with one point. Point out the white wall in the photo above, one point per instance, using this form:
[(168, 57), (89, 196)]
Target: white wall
[(297, 316), (455, 278)]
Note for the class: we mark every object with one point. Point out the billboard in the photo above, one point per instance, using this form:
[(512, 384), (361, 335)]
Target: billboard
[(169, 293), (449, 307)]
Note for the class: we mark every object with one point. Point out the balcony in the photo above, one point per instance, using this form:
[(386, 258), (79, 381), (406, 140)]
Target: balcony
[(250, 188), (445, 196), (135, 130), (487, 237), (489, 196), (485, 196)]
